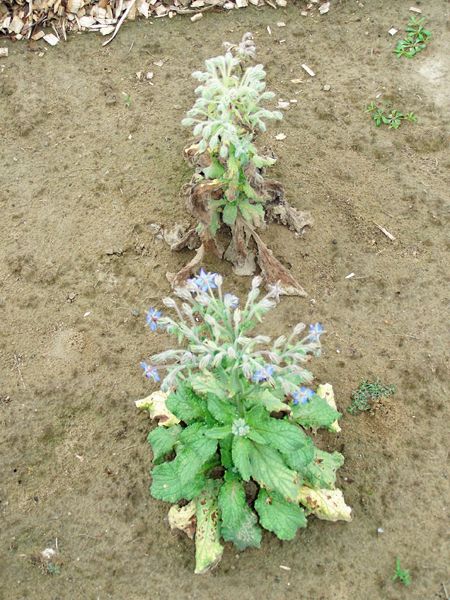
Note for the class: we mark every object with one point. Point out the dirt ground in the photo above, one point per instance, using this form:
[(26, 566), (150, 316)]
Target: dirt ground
[(83, 176)]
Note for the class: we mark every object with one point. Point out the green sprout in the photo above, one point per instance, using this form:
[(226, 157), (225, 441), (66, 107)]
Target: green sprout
[(416, 39), (368, 394), (384, 114), (402, 575), (127, 99)]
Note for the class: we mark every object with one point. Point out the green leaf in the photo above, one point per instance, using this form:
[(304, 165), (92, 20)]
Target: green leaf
[(206, 383), (267, 399), (167, 485), (240, 451), (218, 433), (321, 472), (300, 459), (208, 550), (229, 213), (214, 171), (315, 413), (278, 433), (162, 441), (238, 521), (278, 515), (186, 405), (222, 410), (225, 452), (192, 457), (268, 468)]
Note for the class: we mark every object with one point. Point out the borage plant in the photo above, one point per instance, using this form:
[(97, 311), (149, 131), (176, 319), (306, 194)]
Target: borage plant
[(416, 40), (228, 193), (231, 451)]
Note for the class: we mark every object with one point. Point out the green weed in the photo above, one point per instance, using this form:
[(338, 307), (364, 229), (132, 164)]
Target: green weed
[(416, 39), (367, 394), (384, 114)]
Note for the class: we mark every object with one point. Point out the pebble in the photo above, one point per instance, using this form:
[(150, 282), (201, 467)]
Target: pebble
[(327, 87)]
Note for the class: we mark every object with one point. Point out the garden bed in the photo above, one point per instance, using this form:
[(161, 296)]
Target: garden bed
[(92, 166)]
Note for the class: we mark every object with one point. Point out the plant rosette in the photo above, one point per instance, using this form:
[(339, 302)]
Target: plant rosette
[(231, 451)]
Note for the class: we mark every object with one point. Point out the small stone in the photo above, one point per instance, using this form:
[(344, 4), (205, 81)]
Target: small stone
[(380, 530), (327, 87), (196, 17), (3, 52), (280, 137), (149, 75), (135, 312), (71, 297), (392, 31), (324, 8)]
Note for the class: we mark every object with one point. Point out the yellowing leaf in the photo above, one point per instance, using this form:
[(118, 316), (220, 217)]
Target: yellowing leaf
[(156, 406), (208, 550), (183, 518), (328, 505), (326, 392)]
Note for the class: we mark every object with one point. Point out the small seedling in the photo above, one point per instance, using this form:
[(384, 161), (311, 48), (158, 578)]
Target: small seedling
[(416, 38), (53, 569), (127, 100), (385, 114), (402, 575), (368, 394)]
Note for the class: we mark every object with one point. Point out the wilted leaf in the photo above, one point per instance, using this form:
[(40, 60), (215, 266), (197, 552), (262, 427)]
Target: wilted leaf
[(156, 404), (208, 550), (278, 515), (183, 518), (328, 505)]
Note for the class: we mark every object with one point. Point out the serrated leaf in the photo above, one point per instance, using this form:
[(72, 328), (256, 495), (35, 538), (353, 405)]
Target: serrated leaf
[(229, 213), (163, 440), (326, 392), (191, 458), (315, 413), (208, 550), (321, 472), (186, 405), (301, 459), (238, 521), (278, 515), (240, 451), (167, 486), (268, 468), (222, 410), (278, 433)]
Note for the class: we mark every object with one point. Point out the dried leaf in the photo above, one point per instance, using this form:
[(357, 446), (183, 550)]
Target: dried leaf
[(156, 406), (183, 518)]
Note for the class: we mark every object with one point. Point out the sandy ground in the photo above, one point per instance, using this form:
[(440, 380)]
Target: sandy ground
[(83, 176)]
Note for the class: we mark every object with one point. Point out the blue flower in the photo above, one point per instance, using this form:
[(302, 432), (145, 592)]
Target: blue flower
[(150, 372), (315, 330), (152, 318), (303, 395), (263, 374), (231, 301), (205, 281)]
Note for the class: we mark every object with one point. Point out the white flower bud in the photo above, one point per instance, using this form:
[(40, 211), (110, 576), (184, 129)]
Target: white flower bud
[(298, 328), (169, 302), (256, 282)]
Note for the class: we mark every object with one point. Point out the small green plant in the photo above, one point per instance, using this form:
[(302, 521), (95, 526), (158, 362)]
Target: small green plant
[(368, 394), (53, 569), (402, 575), (384, 114), (232, 451), (416, 40), (126, 99), (228, 192)]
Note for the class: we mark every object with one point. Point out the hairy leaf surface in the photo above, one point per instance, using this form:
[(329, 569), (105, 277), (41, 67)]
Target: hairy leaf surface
[(315, 413), (163, 440), (278, 515)]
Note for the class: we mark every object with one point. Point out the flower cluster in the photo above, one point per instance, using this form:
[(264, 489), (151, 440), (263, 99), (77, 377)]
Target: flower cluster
[(216, 331)]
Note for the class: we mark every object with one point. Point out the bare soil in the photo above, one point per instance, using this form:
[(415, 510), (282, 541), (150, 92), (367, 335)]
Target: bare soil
[(83, 176)]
